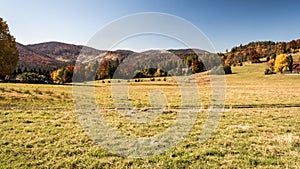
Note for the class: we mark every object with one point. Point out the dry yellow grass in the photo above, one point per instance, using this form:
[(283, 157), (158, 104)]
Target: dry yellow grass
[(259, 129)]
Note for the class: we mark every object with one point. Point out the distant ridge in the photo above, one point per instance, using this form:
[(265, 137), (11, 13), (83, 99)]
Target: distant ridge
[(29, 58), (53, 55)]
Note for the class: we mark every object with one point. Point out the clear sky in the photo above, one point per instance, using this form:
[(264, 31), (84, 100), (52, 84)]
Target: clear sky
[(226, 23)]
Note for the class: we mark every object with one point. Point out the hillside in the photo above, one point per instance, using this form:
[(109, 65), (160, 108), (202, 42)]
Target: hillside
[(60, 51), (53, 55), (254, 51), (31, 59), (184, 52)]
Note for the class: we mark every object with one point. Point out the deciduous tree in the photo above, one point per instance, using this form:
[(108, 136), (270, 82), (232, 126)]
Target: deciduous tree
[(8, 51), (283, 63)]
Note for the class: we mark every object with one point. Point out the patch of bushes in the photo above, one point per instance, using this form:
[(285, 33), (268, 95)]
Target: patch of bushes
[(227, 69), (30, 77), (269, 71)]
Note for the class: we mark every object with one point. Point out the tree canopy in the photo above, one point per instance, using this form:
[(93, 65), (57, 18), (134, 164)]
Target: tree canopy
[(9, 55), (63, 75), (283, 63)]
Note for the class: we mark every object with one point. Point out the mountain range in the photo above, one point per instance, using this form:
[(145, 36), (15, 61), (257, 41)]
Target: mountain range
[(53, 55)]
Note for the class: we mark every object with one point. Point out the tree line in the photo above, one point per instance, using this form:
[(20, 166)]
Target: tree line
[(119, 69), (254, 51)]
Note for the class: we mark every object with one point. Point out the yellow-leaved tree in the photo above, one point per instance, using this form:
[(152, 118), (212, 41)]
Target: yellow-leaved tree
[(57, 76), (63, 75), (283, 62)]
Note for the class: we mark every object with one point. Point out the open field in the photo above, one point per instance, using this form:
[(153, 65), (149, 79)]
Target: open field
[(260, 127)]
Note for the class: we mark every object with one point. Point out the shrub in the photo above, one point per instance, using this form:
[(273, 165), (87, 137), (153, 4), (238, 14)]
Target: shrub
[(269, 71), (227, 69)]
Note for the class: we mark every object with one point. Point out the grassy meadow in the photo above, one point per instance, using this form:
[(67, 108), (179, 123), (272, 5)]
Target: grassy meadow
[(259, 128)]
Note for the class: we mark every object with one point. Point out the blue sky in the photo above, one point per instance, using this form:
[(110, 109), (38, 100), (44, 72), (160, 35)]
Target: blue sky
[(226, 23)]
